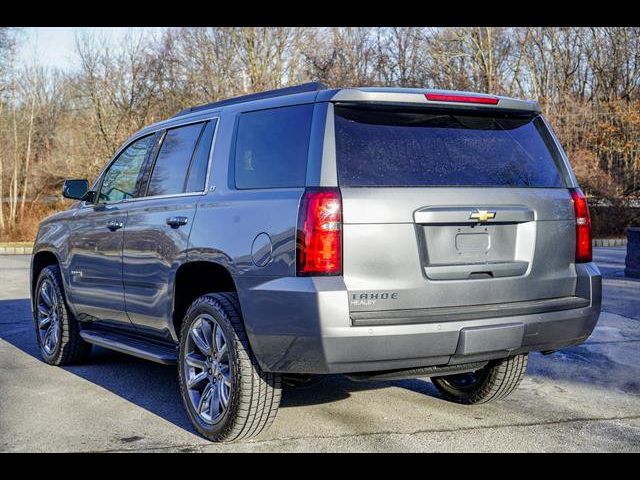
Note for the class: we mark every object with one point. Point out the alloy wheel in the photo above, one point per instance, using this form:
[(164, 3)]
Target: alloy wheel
[(207, 369), (48, 316)]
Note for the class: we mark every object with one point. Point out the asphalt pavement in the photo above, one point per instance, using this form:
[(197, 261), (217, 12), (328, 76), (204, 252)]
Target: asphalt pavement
[(586, 398)]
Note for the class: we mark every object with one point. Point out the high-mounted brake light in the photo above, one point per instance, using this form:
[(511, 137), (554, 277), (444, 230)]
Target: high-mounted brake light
[(319, 242), (583, 226), (443, 97)]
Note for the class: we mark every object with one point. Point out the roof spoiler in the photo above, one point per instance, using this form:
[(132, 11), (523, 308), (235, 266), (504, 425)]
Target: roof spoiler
[(429, 97), (279, 92)]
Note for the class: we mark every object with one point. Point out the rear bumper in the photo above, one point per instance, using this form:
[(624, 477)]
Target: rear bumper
[(302, 325)]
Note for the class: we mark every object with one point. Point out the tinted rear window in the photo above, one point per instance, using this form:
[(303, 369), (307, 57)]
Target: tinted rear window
[(271, 147), (385, 147)]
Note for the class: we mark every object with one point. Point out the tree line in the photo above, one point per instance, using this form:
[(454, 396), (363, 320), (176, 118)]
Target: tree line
[(58, 124)]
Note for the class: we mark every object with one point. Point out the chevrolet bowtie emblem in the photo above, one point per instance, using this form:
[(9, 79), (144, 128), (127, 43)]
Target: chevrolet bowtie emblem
[(482, 215)]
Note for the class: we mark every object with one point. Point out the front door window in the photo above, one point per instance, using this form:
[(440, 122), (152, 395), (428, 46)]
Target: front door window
[(120, 179)]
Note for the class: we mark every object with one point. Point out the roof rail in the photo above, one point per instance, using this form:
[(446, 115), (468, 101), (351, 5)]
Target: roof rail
[(305, 87)]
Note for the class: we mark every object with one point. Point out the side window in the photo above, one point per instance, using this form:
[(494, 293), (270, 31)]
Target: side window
[(272, 146), (119, 182), (171, 166), (198, 170)]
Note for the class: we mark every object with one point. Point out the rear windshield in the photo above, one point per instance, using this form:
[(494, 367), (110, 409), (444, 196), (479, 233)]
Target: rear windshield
[(388, 148)]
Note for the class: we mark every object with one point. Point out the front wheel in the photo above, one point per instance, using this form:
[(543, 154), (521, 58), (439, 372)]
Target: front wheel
[(57, 330), (492, 382), (227, 395)]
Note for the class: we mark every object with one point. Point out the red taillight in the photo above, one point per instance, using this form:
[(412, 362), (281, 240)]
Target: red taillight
[(443, 97), (319, 243), (583, 226)]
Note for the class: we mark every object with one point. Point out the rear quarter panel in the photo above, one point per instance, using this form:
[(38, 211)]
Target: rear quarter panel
[(252, 232)]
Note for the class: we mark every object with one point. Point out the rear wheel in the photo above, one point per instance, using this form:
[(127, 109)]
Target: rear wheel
[(57, 329), (227, 395), (492, 382)]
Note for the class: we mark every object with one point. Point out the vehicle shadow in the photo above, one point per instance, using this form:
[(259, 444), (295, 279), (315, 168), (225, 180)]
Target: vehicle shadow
[(154, 387), (339, 387)]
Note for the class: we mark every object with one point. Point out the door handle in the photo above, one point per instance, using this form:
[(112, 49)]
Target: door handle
[(114, 225), (175, 222)]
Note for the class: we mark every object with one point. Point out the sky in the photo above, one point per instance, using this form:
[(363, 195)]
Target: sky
[(54, 46)]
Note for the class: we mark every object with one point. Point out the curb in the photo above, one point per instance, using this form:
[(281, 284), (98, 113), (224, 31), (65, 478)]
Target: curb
[(610, 242), (19, 249), (16, 250)]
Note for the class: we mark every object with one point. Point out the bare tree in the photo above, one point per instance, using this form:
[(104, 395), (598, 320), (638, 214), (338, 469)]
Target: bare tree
[(7, 43), (56, 124), (343, 56), (118, 87)]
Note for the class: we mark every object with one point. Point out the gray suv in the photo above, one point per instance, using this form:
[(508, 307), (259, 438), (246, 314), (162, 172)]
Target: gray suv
[(374, 232)]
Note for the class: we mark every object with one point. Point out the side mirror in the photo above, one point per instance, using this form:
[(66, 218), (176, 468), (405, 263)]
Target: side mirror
[(77, 190)]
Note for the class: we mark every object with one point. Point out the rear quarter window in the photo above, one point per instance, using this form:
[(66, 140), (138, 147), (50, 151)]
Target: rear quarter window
[(389, 147), (272, 146), (200, 162)]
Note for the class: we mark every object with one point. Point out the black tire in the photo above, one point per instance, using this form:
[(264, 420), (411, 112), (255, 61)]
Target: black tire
[(69, 348), (493, 382), (254, 394)]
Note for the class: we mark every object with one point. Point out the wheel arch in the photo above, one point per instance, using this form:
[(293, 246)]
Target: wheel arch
[(41, 259), (194, 279)]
